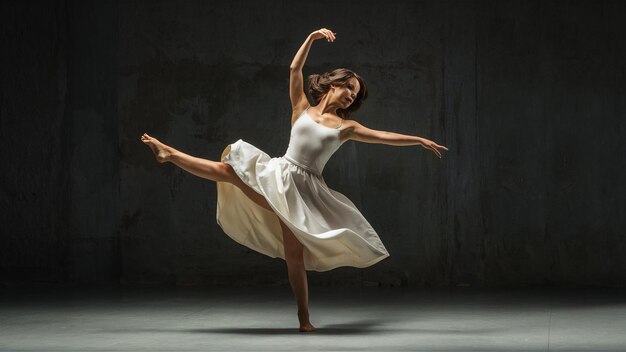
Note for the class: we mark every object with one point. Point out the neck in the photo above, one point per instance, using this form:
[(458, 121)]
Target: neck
[(325, 106)]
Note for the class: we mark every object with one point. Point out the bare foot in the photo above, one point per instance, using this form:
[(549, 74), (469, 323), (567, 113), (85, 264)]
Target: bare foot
[(160, 150), (305, 324), (307, 327)]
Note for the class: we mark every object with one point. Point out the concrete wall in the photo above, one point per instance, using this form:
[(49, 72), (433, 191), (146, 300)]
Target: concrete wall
[(33, 135), (60, 184), (529, 96)]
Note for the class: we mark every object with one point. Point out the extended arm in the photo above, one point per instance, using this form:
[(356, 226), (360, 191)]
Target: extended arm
[(296, 80), (361, 133)]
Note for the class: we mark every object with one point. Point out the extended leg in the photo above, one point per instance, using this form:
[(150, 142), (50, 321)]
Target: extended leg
[(211, 170), (297, 276), (207, 169)]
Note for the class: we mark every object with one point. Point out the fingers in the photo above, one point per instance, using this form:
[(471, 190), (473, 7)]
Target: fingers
[(328, 34), (439, 147), (435, 148), (145, 137), (437, 152)]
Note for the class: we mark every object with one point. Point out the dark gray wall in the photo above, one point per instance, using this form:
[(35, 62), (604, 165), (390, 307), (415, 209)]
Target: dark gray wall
[(60, 183), (33, 203), (529, 96)]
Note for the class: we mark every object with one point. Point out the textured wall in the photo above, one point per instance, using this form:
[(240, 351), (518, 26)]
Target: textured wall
[(529, 96), (33, 130), (60, 184)]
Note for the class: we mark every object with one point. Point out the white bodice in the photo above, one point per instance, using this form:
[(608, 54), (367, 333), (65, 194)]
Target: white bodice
[(311, 144)]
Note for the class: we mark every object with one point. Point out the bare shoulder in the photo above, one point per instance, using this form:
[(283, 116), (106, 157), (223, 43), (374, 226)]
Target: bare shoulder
[(297, 111), (348, 129), (351, 125), (360, 133)]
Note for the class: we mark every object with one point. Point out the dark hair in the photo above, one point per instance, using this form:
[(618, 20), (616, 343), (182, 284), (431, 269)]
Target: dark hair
[(319, 85)]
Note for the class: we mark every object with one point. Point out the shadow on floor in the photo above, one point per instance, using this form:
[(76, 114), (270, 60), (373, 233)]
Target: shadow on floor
[(355, 328)]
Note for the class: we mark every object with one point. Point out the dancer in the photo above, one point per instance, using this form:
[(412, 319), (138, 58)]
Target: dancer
[(281, 206)]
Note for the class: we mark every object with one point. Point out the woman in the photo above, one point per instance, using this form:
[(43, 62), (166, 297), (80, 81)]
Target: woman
[(282, 207)]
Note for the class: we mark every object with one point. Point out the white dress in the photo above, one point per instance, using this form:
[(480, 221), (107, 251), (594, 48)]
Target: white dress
[(332, 230)]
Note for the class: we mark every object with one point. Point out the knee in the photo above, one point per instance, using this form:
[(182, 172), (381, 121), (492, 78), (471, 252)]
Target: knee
[(227, 173)]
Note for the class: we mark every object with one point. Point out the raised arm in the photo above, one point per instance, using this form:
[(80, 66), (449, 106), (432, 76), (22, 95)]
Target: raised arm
[(360, 133), (296, 80)]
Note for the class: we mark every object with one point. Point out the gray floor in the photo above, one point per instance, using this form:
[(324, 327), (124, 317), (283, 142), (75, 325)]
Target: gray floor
[(348, 319)]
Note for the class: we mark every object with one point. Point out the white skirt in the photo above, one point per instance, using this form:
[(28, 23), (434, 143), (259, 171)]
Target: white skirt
[(330, 227)]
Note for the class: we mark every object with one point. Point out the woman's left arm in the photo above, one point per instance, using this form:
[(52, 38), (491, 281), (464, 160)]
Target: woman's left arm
[(360, 133)]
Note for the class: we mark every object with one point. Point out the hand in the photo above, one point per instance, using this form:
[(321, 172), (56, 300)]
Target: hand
[(323, 33), (436, 148)]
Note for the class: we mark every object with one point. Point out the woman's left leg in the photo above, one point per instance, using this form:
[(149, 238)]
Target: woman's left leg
[(221, 172), (294, 252)]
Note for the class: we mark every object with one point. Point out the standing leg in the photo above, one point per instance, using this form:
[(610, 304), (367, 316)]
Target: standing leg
[(222, 172), (297, 276)]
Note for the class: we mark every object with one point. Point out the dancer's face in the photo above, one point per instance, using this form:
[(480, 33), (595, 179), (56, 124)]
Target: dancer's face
[(345, 95)]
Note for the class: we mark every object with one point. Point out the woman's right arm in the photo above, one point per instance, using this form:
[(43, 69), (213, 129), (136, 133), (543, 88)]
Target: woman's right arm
[(296, 80)]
